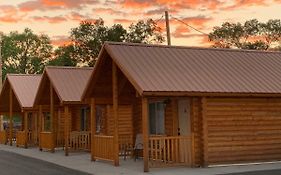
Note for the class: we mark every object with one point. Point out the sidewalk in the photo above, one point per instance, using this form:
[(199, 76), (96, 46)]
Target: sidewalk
[(81, 161)]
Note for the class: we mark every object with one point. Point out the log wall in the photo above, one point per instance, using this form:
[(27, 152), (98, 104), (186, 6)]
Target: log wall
[(243, 130)]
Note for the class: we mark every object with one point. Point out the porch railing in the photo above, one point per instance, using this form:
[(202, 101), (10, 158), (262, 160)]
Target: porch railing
[(21, 138), (80, 140), (169, 151), (3, 137), (103, 147)]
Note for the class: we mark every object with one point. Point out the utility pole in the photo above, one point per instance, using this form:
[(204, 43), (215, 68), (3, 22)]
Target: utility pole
[(168, 27), (1, 116)]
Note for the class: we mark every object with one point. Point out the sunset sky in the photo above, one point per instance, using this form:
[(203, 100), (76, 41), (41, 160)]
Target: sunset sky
[(56, 17)]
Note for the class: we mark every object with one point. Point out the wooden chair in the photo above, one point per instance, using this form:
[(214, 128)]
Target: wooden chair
[(138, 146)]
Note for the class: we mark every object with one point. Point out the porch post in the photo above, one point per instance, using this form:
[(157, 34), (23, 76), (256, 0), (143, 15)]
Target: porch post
[(115, 113), (40, 114), (11, 116), (1, 123), (52, 116), (93, 127), (205, 132), (25, 129), (66, 129), (145, 133)]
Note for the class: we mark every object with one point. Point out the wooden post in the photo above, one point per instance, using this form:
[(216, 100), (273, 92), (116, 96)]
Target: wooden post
[(205, 132), (66, 129), (35, 122), (25, 128), (11, 116), (115, 112), (175, 117), (40, 117), (93, 127), (52, 115), (145, 133)]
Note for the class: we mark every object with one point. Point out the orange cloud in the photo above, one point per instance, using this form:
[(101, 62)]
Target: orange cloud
[(61, 40), (52, 20), (108, 11), (198, 22), (123, 21), (246, 3), (168, 4), (181, 32), (77, 17), (9, 14), (43, 5)]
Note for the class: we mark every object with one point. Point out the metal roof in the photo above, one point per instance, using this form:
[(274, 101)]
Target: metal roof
[(68, 82), (156, 68), (24, 86)]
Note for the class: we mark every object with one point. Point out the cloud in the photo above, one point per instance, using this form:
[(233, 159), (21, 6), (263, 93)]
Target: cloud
[(123, 21), (168, 4), (43, 5), (198, 22), (10, 14), (60, 40), (110, 11), (77, 16), (245, 3), (52, 20)]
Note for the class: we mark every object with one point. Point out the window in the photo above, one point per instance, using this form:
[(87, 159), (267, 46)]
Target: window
[(84, 118), (100, 114), (157, 118), (47, 121)]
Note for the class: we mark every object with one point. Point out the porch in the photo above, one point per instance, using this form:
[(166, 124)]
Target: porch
[(67, 128), (167, 125)]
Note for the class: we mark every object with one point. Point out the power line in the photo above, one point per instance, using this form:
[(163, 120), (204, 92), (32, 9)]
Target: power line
[(159, 19), (189, 25)]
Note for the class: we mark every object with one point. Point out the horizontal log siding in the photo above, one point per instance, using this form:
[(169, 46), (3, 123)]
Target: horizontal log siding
[(125, 120), (243, 130)]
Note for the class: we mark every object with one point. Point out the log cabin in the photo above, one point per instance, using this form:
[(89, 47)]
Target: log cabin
[(17, 98), (192, 106), (63, 117)]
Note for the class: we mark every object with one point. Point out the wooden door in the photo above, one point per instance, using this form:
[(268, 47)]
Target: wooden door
[(184, 129)]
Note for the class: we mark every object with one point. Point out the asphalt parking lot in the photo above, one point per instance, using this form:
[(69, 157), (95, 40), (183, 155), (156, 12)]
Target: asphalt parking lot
[(11, 163)]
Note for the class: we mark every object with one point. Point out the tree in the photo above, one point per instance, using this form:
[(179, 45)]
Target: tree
[(144, 32), (25, 53), (63, 57), (89, 37), (250, 35)]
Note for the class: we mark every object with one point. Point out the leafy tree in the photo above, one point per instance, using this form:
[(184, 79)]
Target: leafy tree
[(89, 37), (144, 32), (63, 57), (250, 35), (25, 52)]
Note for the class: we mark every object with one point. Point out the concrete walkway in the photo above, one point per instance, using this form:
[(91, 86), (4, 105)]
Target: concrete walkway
[(81, 161)]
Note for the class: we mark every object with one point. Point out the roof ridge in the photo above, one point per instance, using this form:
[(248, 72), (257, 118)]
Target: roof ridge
[(191, 47), (67, 67), (14, 74)]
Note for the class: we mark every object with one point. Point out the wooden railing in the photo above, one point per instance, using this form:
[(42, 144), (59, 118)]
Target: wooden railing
[(103, 147), (47, 140), (80, 140), (169, 151), (3, 137), (21, 138)]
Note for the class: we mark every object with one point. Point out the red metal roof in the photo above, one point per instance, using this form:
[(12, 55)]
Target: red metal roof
[(24, 87), (155, 68), (68, 82)]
